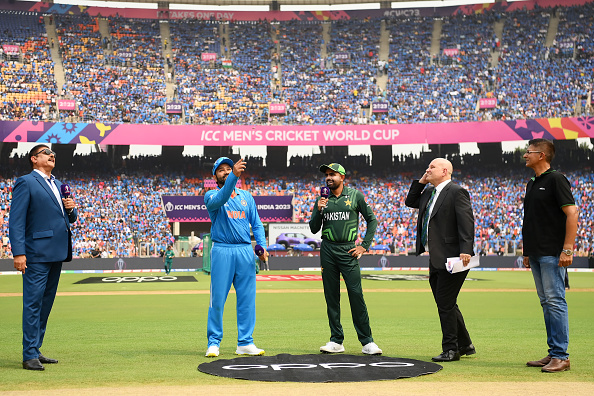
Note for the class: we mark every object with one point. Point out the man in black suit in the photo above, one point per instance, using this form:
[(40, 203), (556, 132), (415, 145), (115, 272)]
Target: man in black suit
[(445, 228)]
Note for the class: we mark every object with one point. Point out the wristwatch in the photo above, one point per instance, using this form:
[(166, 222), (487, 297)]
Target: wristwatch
[(568, 252)]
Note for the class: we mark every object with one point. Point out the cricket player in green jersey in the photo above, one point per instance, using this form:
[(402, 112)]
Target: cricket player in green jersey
[(338, 217), (168, 259)]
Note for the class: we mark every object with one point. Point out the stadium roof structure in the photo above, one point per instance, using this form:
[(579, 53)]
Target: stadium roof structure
[(269, 2)]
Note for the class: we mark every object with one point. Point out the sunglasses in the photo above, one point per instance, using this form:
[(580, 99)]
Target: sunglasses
[(45, 151)]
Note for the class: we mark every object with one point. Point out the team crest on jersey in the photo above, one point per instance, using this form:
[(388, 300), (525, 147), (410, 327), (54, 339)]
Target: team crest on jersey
[(243, 202), (348, 202)]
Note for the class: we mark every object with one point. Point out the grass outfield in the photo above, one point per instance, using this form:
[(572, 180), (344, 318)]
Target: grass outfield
[(121, 339)]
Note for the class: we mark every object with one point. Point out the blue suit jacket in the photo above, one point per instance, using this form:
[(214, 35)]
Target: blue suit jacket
[(37, 227)]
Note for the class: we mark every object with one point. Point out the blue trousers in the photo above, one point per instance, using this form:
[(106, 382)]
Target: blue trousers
[(549, 279), (40, 282), (232, 264)]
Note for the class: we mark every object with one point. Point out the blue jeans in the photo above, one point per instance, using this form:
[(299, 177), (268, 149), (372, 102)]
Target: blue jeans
[(550, 286)]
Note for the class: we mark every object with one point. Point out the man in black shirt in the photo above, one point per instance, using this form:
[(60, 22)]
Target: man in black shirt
[(549, 231)]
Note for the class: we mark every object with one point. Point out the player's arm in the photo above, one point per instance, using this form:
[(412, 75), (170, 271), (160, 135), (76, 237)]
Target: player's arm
[(370, 219), (315, 223), (214, 199), (256, 223)]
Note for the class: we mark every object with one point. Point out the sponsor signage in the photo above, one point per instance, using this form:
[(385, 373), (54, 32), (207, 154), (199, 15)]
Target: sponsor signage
[(277, 108), (487, 103), (278, 232), (208, 56), (319, 368), (271, 208), (342, 56), (451, 51), (379, 107), (291, 135), (66, 104), (565, 44), (136, 279), (173, 108), (289, 278), (11, 49)]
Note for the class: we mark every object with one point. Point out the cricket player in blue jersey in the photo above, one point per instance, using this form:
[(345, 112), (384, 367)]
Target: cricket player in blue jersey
[(231, 212)]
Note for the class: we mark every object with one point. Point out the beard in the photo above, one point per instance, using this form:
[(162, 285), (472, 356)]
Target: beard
[(332, 185), (221, 180)]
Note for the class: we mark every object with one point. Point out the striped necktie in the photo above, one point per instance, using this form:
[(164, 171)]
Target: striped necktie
[(426, 220)]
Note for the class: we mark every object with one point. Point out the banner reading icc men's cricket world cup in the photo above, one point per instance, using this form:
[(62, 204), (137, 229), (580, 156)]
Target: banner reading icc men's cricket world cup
[(192, 208)]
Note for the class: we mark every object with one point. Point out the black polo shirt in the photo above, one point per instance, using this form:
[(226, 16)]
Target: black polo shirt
[(543, 230)]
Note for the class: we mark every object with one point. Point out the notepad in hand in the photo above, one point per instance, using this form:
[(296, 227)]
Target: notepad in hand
[(454, 264)]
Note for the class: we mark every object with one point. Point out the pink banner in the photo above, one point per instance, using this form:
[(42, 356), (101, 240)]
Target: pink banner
[(208, 56), (66, 104), (487, 103), (278, 108), (335, 135), (11, 49), (211, 183), (450, 51), (305, 135)]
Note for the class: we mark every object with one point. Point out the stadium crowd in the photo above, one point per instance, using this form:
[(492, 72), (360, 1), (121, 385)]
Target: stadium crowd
[(120, 210), (120, 76)]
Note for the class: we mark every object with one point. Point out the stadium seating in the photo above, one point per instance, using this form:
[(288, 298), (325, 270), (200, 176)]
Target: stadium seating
[(121, 208), (121, 77)]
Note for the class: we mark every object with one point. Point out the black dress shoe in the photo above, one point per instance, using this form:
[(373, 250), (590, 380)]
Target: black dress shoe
[(447, 356), (33, 364), (46, 360), (467, 350)]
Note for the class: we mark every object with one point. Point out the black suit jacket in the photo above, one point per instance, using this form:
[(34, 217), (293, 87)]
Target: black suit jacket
[(451, 225)]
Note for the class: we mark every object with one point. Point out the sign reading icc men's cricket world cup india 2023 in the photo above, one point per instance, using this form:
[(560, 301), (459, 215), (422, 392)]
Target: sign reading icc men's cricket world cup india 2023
[(193, 209)]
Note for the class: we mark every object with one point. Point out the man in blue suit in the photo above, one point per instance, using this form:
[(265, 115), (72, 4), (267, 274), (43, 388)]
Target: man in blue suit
[(39, 230)]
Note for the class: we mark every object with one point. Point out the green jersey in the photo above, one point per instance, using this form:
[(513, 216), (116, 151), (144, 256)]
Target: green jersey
[(340, 219), (169, 255)]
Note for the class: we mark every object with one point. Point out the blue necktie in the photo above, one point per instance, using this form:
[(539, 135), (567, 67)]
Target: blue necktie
[(426, 220)]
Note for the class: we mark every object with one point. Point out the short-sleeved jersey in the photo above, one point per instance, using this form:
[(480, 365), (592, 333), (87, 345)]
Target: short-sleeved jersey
[(340, 219), (543, 229), (232, 216)]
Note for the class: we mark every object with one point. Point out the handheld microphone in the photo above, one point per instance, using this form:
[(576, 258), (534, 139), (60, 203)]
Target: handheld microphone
[(65, 190), (324, 193), (260, 252)]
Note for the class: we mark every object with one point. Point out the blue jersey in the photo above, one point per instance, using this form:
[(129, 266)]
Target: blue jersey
[(231, 217)]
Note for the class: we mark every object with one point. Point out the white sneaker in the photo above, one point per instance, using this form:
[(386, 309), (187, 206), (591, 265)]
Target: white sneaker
[(332, 347), (372, 349), (249, 350), (212, 351)]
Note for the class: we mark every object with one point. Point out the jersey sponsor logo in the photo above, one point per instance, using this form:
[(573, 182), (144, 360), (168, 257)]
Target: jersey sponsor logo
[(236, 214), (336, 215)]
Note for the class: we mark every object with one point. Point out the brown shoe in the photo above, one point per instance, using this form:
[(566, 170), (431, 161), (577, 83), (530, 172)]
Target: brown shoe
[(556, 366), (539, 363)]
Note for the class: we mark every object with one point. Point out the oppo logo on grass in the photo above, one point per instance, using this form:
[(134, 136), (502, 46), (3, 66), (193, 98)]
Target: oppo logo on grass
[(313, 366), (138, 279)]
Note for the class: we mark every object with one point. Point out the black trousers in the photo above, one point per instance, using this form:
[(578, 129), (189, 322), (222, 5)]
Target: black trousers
[(445, 288)]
